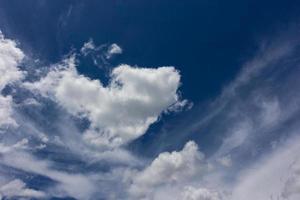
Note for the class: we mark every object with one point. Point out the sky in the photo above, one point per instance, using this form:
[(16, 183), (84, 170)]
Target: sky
[(149, 100)]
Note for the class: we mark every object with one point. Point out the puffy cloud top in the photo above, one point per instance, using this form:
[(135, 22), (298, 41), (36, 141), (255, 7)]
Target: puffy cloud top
[(10, 58), (174, 167), (120, 112)]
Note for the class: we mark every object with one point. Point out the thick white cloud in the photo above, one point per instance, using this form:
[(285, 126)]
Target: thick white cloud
[(10, 58), (168, 168), (119, 112)]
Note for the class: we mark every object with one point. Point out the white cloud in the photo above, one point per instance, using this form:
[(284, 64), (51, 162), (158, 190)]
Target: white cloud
[(30, 102), (88, 47), (291, 188), (225, 160), (113, 50), (191, 193), (134, 99), (22, 144), (75, 185), (239, 134), (102, 52), (273, 177), (120, 112), (270, 113), (181, 105), (17, 188), (10, 58), (168, 168), (6, 112)]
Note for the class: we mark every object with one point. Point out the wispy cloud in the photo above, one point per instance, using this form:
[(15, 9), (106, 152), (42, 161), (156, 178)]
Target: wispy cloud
[(113, 49), (74, 131), (17, 189)]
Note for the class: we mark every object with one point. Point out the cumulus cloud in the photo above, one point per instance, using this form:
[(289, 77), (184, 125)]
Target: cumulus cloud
[(248, 114), (119, 112), (259, 106), (10, 58), (168, 168)]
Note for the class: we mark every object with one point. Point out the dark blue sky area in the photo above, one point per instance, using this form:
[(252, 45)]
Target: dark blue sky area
[(207, 40)]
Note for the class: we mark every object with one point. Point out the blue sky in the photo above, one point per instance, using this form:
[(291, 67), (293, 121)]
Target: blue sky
[(156, 100)]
